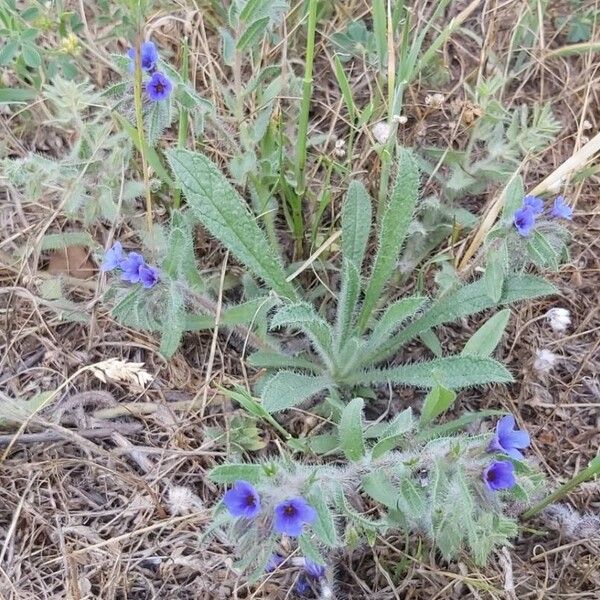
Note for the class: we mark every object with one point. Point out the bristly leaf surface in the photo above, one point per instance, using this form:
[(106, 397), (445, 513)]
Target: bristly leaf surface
[(222, 211)]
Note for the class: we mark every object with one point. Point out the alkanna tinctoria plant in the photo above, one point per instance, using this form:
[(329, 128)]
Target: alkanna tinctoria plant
[(368, 330), (461, 492)]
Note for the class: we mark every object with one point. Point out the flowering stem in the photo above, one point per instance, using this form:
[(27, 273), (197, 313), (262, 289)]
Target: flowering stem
[(305, 107), (592, 470), (208, 306), (183, 117), (139, 119)]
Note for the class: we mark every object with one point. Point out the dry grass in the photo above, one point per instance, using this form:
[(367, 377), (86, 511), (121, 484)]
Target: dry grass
[(112, 500)]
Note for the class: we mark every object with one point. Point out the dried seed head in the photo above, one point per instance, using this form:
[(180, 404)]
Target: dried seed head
[(400, 119), (381, 132), (340, 150), (182, 500), (544, 360), (435, 100), (559, 319)]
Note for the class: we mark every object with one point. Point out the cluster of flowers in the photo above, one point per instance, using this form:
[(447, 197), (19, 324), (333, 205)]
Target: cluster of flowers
[(159, 86), (290, 518), (500, 474), (133, 267), (525, 217)]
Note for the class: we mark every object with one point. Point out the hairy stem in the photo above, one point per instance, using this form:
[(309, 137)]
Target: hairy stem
[(305, 107), (139, 119), (183, 117), (591, 471)]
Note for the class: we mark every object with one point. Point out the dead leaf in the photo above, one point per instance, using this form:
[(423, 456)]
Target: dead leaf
[(73, 261)]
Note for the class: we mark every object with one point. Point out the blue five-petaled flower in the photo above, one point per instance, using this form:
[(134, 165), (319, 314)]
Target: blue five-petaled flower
[(534, 203), (532, 207), (133, 267), (158, 87), (113, 258), (148, 276), (148, 58), (314, 569), (561, 210), (524, 220), (274, 562), (292, 515), (242, 500), (509, 440), (499, 475)]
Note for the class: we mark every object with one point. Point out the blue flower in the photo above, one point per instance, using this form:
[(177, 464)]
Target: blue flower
[(149, 57), (113, 258), (242, 500), (499, 475), (303, 587), (561, 210), (158, 87), (274, 562), (524, 220), (314, 569), (148, 276), (131, 267), (536, 204), (291, 516), (508, 439)]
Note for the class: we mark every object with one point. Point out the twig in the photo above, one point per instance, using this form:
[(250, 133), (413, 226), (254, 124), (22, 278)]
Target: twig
[(56, 436)]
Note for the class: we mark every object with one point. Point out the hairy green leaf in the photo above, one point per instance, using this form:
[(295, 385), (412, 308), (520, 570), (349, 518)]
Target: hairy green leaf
[(378, 485), (59, 241), (264, 359), (494, 272), (324, 526), (541, 251), (348, 298), (454, 371), (397, 429), (350, 430), (356, 223), (303, 316), (465, 301), (244, 313), (223, 212), (395, 222), (484, 341), (174, 321), (231, 473), (287, 389), (438, 400), (393, 317), (253, 33)]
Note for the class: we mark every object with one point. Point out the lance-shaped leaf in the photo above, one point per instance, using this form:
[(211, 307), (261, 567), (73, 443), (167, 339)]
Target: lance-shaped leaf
[(356, 223), (467, 300), (287, 389), (350, 430), (304, 317), (484, 341), (393, 317), (454, 372), (392, 231), (219, 207), (347, 301)]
